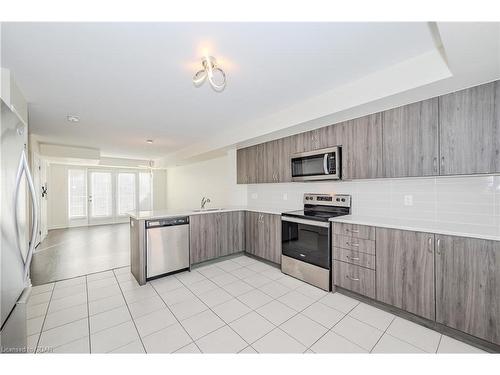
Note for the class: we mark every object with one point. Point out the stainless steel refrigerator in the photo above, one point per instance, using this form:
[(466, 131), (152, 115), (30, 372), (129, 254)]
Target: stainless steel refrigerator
[(18, 201)]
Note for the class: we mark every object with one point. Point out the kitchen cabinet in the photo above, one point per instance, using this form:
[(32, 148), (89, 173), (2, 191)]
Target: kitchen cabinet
[(354, 278), (202, 237), (363, 147), (469, 130), (468, 285), (230, 236), (242, 156), (212, 235), (263, 235), (410, 140), (405, 270)]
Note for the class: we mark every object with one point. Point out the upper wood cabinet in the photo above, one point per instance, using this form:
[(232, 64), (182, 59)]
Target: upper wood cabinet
[(410, 140), (405, 270), (362, 147), (469, 130), (454, 134), (468, 285)]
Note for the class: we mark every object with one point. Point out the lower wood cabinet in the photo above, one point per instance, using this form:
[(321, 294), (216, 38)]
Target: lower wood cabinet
[(216, 234), (263, 235), (468, 285), (405, 270), (355, 278)]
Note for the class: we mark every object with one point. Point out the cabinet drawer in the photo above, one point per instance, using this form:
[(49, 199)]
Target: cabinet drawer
[(354, 257), (354, 230), (357, 279), (354, 244)]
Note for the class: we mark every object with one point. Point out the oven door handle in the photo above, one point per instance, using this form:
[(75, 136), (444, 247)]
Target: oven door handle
[(306, 222), (325, 163)]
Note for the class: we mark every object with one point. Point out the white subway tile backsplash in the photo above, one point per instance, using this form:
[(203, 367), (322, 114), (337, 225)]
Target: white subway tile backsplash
[(468, 200)]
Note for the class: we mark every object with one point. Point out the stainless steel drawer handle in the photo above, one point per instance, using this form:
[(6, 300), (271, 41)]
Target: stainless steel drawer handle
[(352, 258), (351, 278), (352, 244), (352, 230)]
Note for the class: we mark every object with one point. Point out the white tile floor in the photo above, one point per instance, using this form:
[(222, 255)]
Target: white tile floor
[(238, 305)]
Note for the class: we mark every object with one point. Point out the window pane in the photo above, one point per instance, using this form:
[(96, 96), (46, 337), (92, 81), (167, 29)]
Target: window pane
[(145, 203), (102, 200), (77, 193), (126, 193)]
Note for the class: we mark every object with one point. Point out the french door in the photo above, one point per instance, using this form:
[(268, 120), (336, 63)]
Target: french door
[(104, 196), (100, 196)]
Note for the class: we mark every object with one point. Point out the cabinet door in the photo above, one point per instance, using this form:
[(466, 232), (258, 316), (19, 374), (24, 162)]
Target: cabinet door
[(410, 140), (241, 166), (203, 237), (468, 285), (363, 147), (307, 141), (470, 130), (284, 151), (252, 156), (270, 238), (405, 270), (230, 232), (251, 232)]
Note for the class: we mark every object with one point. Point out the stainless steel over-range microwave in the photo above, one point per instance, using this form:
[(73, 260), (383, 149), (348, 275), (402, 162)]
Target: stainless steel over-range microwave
[(316, 165)]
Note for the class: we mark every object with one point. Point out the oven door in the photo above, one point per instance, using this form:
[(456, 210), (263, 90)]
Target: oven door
[(316, 165), (306, 240)]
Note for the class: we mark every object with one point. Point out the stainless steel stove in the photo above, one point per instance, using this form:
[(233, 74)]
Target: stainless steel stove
[(306, 238)]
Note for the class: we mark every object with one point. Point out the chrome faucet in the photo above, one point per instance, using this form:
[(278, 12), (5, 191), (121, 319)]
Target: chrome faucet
[(204, 201)]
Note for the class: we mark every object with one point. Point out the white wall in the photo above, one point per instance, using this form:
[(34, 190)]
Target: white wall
[(159, 189), (467, 200), (57, 196), (214, 178)]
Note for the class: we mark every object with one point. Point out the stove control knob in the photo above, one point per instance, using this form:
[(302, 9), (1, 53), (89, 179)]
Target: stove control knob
[(338, 199), (343, 199)]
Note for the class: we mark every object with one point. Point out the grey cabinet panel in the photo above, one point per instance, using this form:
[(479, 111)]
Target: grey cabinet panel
[(405, 270), (357, 279), (241, 166), (230, 232), (354, 257), (468, 285), (203, 237), (284, 147), (251, 232), (363, 147), (470, 130), (271, 244), (216, 234), (354, 230), (410, 140), (263, 235), (354, 244)]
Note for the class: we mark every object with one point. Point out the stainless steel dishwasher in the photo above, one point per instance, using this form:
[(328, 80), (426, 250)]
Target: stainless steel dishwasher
[(167, 246)]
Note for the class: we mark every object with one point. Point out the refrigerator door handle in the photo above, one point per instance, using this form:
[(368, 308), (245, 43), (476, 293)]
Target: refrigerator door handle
[(23, 167)]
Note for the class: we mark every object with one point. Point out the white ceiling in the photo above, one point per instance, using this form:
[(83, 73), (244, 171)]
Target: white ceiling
[(129, 82)]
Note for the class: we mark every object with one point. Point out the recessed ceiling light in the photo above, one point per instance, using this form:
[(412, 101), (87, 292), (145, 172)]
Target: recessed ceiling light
[(150, 141), (72, 118)]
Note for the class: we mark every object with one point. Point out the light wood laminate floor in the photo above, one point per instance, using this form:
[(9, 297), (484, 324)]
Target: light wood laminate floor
[(72, 252)]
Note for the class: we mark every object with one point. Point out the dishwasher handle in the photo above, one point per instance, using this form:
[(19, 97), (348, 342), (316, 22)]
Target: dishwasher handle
[(171, 221)]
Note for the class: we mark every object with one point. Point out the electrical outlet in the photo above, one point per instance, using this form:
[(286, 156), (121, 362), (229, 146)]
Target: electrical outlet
[(285, 196), (255, 195), (408, 200)]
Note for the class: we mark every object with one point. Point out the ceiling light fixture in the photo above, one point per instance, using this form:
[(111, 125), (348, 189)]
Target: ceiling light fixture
[(72, 118), (149, 141), (215, 75)]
